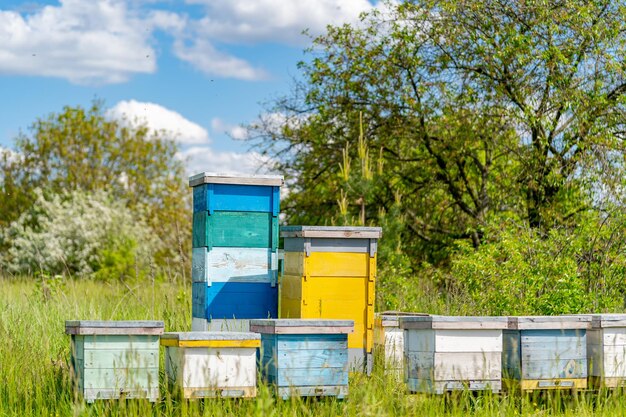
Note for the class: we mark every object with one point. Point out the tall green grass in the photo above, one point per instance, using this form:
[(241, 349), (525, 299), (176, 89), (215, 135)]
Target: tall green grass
[(34, 370)]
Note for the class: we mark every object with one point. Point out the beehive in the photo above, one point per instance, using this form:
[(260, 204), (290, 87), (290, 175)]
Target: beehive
[(115, 359), (304, 357), (234, 255), (448, 353), (212, 364), (389, 340), (330, 273), (606, 351), (546, 352)]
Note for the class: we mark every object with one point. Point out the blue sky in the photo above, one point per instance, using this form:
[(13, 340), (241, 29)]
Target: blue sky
[(198, 68)]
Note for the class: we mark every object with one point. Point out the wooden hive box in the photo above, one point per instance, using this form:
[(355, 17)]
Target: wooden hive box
[(115, 359), (389, 340), (546, 352), (449, 353), (304, 357), (330, 273), (234, 255), (212, 364), (606, 351)]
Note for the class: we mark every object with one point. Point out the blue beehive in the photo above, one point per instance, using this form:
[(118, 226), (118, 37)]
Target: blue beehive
[(304, 357), (545, 352), (234, 255)]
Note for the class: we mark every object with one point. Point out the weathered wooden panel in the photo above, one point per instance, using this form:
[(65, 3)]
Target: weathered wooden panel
[(455, 366), (257, 265), (219, 367), (332, 232), (437, 322), (137, 358), (233, 197), (241, 300), (121, 342), (340, 391), (440, 387), (299, 244), (237, 179), (308, 377), (92, 394), (235, 229), (511, 354), (615, 336), (328, 357), (555, 368), (121, 378), (455, 340)]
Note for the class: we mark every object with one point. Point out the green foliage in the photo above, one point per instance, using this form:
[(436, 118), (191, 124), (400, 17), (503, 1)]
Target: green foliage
[(83, 150), (79, 234), (519, 271)]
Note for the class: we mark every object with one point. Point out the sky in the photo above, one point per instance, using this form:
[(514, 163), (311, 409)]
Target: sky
[(197, 68)]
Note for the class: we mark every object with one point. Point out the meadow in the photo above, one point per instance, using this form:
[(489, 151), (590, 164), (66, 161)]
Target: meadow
[(35, 377)]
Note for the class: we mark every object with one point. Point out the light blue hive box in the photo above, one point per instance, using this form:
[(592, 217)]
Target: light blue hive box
[(115, 359), (304, 357)]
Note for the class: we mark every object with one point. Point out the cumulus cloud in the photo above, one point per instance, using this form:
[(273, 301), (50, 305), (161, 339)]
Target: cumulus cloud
[(275, 20), (234, 131), (84, 41), (201, 54), (203, 158), (159, 118)]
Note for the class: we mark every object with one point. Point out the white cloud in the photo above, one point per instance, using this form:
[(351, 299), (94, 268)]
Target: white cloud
[(275, 20), (84, 41), (10, 154), (159, 118), (203, 158), (234, 131), (203, 56)]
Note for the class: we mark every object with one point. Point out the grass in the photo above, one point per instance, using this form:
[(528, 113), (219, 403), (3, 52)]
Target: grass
[(34, 371)]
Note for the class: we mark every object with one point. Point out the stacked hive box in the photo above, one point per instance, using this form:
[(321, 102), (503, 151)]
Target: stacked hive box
[(330, 273), (389, 339), (446, 353), (546, 352), (212, 364), (606, 351), (304, 357), (234, 257), (114, 359)]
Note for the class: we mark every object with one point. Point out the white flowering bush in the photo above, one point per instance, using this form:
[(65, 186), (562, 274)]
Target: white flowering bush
[(78, 234)]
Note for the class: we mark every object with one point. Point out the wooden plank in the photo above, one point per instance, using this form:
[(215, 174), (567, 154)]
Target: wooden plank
[(420, 340), (454, 365), (300, 330), (227, 197), (330, 357), (253, 265), (135, 358), (614, 336), (114, 331), (558, 368), (337, 264), (129, 327), (452, 322), (93, 394), (119, 342), (299, 344), (553, 384), (549, 322), (614, 366), (420, 365), (199, 265), (468, 340), (219, 367), (231, 392), (213, 343), (555, 336), (550, 352), (210, 336), (439, 387), (297, 244), (608, 321), (235, 229), (219, 178), (339, 391), (309, 377), (341, 232), (123, 378), (596, 382)]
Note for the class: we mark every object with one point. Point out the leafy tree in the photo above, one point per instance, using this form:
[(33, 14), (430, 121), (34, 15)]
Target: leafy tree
[(83, 150), (473, 110)]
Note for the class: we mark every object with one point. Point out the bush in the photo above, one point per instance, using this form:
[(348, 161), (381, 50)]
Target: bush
[(79, 234), (521, 271)]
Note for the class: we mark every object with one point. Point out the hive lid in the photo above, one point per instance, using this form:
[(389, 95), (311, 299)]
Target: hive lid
[(453, 322), (211, 339), (608, 320), (301, 326), (113, 327), (235, 179), (549, 322), (392, 318), (344, 232)]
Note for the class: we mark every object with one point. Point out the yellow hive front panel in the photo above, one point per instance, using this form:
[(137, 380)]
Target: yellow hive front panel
[(338, 298), (337, 264)]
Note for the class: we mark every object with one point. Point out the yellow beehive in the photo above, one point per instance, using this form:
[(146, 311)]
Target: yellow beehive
[(330, 273)]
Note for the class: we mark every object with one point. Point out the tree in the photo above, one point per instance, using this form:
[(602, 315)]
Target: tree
[(474, 109), (82, 149)]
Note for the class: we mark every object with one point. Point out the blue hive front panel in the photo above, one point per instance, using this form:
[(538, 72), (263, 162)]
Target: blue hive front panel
[(240, 300), (229, 197)]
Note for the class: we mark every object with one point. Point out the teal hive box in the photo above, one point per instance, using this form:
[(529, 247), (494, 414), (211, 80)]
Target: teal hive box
[(235, 250), (115, 359), (304, 357), (545, 353)]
